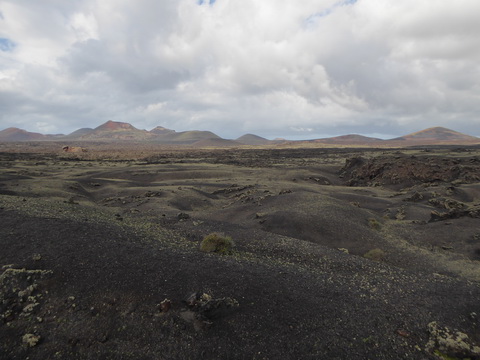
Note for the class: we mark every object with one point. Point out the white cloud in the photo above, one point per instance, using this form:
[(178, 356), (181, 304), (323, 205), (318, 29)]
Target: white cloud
[(265, 67), (85, 26)]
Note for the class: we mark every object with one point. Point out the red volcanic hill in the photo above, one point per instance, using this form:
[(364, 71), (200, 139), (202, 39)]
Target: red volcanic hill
[(115, 126), (436, 135), (116, 130), (16, 134)]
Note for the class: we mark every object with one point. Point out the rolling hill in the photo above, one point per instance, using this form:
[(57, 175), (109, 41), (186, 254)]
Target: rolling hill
[(160, 130), (437, 135), (121, 131), (79, 133), (251, 139), (351, 139), (115, 130), (16, 134), (186, 137)]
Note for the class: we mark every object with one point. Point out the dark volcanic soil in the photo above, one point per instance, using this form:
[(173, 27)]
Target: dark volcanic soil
[(100, 258)]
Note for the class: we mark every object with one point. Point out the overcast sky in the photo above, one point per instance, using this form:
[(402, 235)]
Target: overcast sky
[(276, 68)]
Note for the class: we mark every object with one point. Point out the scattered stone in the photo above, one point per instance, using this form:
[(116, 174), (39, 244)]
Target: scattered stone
[(183, 216), (400, 215), (27, 292), (203, 308), (73, 149), (231, 189), (473, 212), (450, 190), (447, 204), (152, 194), (36, 257), (416, 196), (391, 170), (15, 302), (30, 307), (165, 305), (321, 180)]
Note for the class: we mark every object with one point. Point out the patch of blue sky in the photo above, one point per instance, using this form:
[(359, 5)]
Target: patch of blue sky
[(6, 44), (312, 19), (209, 2)]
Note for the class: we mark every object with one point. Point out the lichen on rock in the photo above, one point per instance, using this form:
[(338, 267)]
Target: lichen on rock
[(31, 340), (451, 343)]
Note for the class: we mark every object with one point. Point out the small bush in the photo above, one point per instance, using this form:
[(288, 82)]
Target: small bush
[(217, 243), (375, 254), (374, 224)]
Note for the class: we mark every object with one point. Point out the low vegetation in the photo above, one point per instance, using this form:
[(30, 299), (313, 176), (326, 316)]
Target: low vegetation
[(375, 255), (374, 224), (217, 243)]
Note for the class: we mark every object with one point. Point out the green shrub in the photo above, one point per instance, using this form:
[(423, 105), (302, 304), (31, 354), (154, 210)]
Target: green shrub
[(217, 243), (375, 254)]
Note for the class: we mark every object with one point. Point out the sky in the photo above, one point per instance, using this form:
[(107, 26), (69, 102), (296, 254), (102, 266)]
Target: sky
[(275, 68)]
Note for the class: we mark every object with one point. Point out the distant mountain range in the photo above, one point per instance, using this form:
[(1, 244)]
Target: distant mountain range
[(120, 131)]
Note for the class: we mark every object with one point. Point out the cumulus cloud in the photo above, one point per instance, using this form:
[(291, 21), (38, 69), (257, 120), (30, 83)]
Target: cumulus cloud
[(275, 68)]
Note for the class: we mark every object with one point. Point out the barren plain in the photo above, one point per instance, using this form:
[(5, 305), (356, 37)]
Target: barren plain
[(339, 253)]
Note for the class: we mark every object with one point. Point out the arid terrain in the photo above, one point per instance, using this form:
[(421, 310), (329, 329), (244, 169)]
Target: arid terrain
[(340, 253)]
